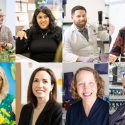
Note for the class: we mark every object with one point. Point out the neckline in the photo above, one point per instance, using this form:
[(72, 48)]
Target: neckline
[(44, 35), (91, 110)]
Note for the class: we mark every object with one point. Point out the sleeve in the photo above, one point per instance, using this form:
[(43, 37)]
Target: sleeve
[(21, 119), (22, 45), (106, 119), (117, 46), (57, 117), (68, 55), (58, 35), (68, 117)]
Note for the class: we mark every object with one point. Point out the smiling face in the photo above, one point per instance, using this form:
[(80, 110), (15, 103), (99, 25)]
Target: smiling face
[(43, 20), (86, 85), (42, 86), (79, 18)]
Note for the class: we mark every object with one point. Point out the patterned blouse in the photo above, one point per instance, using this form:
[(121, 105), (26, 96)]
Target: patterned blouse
[(5, 107)]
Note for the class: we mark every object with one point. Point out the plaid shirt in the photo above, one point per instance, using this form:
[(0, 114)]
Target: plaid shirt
[(119, 45)]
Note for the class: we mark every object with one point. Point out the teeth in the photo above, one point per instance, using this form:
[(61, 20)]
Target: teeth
[(87, 94), (39, 90)]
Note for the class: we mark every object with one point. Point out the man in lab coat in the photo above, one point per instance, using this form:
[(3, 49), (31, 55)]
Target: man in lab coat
[(80, 40)]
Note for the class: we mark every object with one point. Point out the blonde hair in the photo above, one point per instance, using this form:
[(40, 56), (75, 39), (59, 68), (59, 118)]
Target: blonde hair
[(5, 87), (100, 82)]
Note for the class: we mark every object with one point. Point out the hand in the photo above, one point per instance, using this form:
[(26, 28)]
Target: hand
[(85, 59), (21, 34), (112, 58)]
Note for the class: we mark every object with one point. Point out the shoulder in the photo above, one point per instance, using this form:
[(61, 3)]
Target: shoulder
[(26, 108), (10, 97), (121, 108), (122, 32), (103, 103), (70, 28), (6, 28), (76, 105), (123, 28), (92, 28), (56, 106), (58, 29)]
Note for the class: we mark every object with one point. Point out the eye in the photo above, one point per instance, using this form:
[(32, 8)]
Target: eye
[(45, 16), (45, 81), (91, 83), (78, 16), (80, 84), (35, 80)]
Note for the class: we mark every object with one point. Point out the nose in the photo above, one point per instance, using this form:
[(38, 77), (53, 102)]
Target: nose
[(86, 86), (81, 18), (40, 84), (43, 19)]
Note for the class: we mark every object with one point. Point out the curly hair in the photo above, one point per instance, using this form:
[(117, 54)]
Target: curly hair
[(31, 98), (46, 11), (98, 80)]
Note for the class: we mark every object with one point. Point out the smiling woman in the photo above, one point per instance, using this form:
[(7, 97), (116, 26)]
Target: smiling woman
[(43, 37), (42, 107), (87, 86), (7, 101)]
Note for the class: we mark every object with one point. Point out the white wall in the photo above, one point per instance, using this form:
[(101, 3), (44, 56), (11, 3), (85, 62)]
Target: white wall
[(92, 7), (10, 15), (28, 68), (8, 6), (117, 18), (72, 67)]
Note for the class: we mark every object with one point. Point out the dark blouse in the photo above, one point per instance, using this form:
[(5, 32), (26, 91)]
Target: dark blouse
[(51, 115), (98, 114), (41, 44)]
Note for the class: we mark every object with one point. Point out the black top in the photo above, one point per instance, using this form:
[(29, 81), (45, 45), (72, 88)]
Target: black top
[(51, 115), (118, 117), (42, 44), (98, 114)]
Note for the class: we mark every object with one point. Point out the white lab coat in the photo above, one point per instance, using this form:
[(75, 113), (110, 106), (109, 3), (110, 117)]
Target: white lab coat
[(75, 44)]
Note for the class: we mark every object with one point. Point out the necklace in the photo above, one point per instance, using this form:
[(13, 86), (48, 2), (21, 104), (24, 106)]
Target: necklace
[(44, 35)]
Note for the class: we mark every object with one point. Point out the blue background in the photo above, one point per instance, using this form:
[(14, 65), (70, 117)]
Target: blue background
[(7, 67)]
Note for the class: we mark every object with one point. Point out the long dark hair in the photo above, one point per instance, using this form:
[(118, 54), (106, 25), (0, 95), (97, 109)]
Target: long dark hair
[(31, 98), (46, 11)]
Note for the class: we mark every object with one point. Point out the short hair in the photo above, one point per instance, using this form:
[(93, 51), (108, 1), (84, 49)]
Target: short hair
[(31, 98), (77, 8), (4, 88), (98, 80), (46, 11)]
